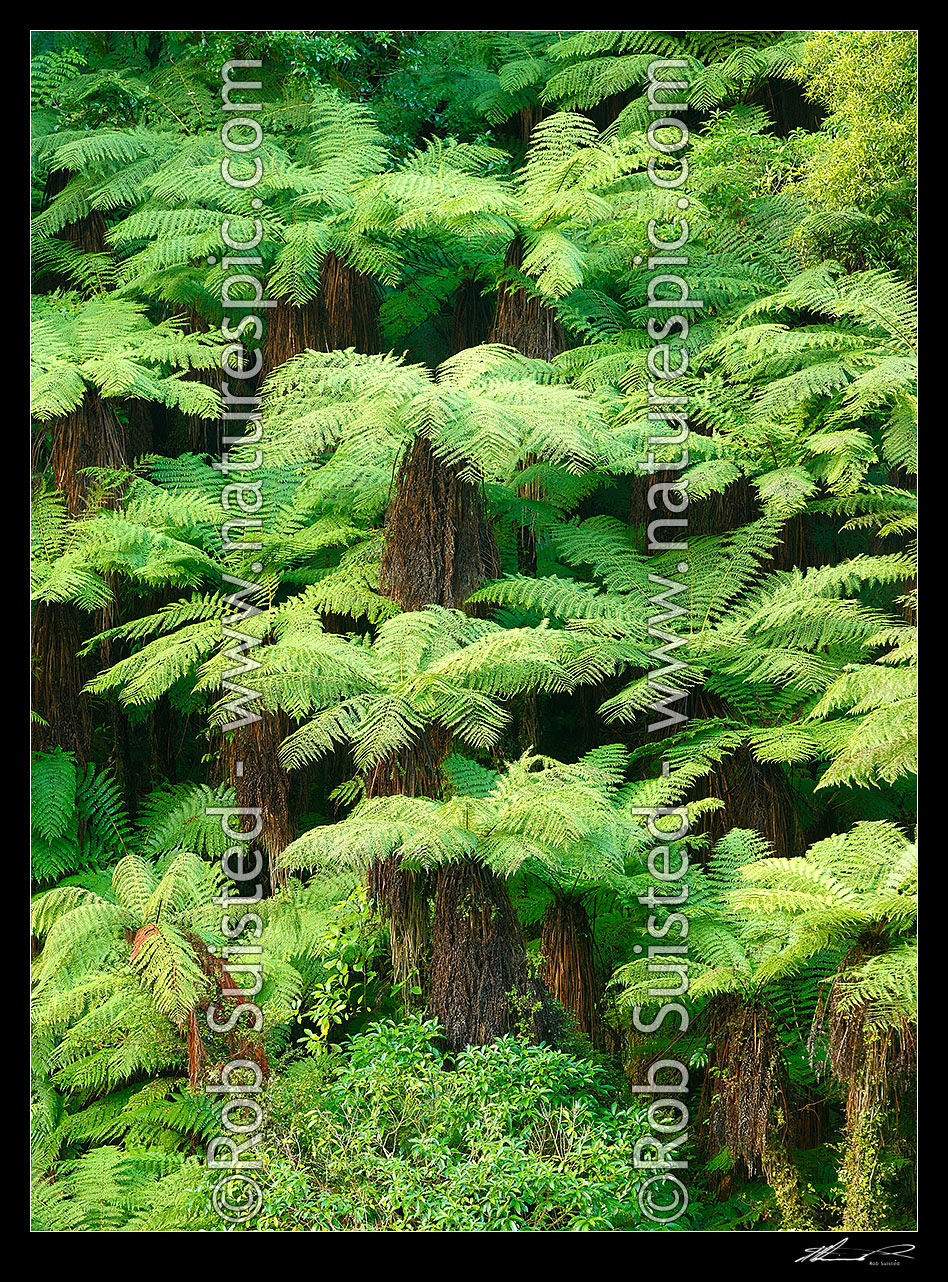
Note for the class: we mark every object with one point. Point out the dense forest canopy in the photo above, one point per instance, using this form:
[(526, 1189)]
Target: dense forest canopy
[(473, 579)]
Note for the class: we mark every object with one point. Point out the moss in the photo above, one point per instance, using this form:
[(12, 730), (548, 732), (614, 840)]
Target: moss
[(866, 1207), (787, 1187)]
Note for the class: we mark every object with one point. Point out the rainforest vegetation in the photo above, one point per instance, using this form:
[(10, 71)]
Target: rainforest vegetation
[(401, 620)]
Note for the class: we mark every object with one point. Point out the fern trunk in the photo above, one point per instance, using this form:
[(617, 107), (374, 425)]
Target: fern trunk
[(86, 234), (522, 319), (251, 760), (438, 547), (58, 677), (569, 963), (874, 1065), (401, 894), (481, 987), (344, 313), (203, 436), (746, 1099), (91, 436), (865, 1208), (471, 316), (756, 794), (785, 1183)]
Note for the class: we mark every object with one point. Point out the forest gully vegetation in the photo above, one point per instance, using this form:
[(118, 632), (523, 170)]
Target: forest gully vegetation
[(474, 679)]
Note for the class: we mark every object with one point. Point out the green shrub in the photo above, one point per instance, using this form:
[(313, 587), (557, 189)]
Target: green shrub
[(506, 1137)]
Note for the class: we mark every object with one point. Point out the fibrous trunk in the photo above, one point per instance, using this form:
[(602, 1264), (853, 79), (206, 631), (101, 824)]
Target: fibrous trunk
[(526, 322), (204, 435), (522, 319), (748, 1111), (240, 1043), (86, 234), (471, 316), (91, 436), (58, 677), (873, 1064), (756, 794), (438, 548), (569, 963), (251, 760), (481, 986), (400, 894), (344, 313)]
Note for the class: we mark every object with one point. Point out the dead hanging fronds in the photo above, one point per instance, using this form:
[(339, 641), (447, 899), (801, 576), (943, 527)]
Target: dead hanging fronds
[(438, 548), (605, 112), (744, 1095), (872, 1059), (400, 896), (569, 969), (344, 313), (526, 724), (481, 986), (413, 772), (799, 547), (745, 1100), (809, 1120), (197, 1054), (521, 318)]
